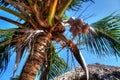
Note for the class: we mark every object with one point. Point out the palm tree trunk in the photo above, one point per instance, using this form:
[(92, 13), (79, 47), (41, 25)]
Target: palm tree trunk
[(36, 59)]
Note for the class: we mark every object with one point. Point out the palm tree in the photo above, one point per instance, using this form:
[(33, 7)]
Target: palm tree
[(43, 24)]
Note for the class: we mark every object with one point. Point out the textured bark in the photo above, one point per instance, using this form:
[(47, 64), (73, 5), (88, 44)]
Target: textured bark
[(97, 72), (36, 59)]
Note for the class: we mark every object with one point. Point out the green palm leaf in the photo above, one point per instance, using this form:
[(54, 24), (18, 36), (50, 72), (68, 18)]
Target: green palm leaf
[(56, 65), (76, 4), (107, 40), (5, 39)]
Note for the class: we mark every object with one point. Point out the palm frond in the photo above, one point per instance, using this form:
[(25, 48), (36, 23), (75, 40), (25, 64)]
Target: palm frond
[(11, 21), (21, 16), (52, 12), (3, 3), (76, 4), (5, 39), (56, 65), (107, 40), (66, 4)]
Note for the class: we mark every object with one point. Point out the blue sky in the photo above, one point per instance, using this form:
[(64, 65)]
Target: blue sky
[(100, 9)]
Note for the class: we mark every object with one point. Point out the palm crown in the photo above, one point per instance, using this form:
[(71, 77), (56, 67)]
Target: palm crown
[(43, 24)]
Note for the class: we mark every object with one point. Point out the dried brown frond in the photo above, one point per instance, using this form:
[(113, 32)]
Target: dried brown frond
[(38, 16), (22, 39)]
